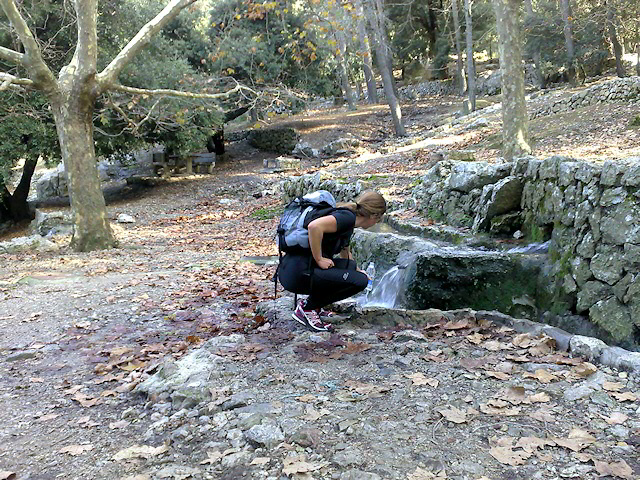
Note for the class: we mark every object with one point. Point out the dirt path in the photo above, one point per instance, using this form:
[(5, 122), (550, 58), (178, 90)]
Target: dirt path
[(80, 331)]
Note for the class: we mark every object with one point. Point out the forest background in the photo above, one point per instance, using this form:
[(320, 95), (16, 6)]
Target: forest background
[(105, 78)]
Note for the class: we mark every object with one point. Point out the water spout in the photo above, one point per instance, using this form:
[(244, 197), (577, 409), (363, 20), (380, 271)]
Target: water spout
[(386, 292)]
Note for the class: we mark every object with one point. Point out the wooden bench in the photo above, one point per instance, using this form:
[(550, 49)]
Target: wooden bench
[(164, 165)]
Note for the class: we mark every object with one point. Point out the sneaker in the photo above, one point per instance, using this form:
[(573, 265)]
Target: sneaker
[(310, 318), (322, 313)]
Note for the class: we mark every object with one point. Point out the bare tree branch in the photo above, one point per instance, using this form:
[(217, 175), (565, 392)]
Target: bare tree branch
[(108, 77), (11, 56), (177, 93), (8, 80), (32, 60)]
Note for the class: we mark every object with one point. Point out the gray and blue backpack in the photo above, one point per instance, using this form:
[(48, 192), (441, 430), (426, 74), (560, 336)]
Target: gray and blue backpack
[(293, 235)]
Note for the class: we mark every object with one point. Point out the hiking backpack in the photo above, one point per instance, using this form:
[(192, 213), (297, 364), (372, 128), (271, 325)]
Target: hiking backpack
[(293, 235)]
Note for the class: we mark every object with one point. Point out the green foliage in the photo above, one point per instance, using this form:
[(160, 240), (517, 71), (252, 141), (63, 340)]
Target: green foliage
[(267, 213), (544, 33), (635, 122), (441, 59), (25, 132), (267, 43)]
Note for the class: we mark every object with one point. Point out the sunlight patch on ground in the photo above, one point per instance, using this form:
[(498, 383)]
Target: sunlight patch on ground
[(431, 142)]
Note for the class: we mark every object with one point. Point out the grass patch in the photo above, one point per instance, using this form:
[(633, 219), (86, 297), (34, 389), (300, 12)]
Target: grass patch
[(267, 213), (635, 122)]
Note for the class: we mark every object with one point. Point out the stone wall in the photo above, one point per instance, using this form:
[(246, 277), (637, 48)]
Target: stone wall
[(294, 187), (618, 90), (590, 212)]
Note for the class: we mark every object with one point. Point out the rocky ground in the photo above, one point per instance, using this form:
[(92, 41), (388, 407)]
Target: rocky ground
[(158, 359)]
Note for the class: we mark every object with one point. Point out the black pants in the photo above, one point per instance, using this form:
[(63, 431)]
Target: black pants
[(299, 274)]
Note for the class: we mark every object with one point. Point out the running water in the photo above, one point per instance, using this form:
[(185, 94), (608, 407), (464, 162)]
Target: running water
[(532, 248), (385, 293)]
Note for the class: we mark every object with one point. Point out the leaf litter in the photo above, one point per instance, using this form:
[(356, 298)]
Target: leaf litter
[(173, 291)]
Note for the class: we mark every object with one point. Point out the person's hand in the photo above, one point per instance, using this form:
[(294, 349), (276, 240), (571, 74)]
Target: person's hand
[(325, 263)]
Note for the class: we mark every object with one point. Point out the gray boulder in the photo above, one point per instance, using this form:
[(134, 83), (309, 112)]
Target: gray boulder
[(52, 223), (502, 197), (27, 244), (53, 184)]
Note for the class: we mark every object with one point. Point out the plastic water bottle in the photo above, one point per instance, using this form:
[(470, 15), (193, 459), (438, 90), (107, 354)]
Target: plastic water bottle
[(371, 273)]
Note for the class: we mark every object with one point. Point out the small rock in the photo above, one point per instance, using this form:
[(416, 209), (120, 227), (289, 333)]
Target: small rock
[(124, 218), (306, 437), (620, 432), (347, 457), (359, 475), (21, 356), (267, 435), (409, 335), (177, 472), (576, 393)]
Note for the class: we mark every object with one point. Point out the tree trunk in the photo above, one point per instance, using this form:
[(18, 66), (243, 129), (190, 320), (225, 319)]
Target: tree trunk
[(471, 68), (342, 69), (365, 52), (462, 81), (14, 207), (387, 80), (537, 57), (73, 116), (613, 37), (17, 202), (568, 40), (515, 130)]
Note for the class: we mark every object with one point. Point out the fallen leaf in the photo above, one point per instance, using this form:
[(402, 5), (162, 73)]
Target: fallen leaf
[(140, 451), (6, 475), (541, 397), (491, 410), (422, 474), (513, 394), (617, 469), (543, 376), (524, 340), (36, 380), (616, 418), (544, 415), (508, 456), (307, 398), (453, 414), (119, 351), (260, 461), (498, 375), (85, 400), (532, 444), (625, 396), (578, 440), (459, 325), (418, 379), (495, 346), (475, 338), (47, 417), (298, 464), (76, 449), (213, 456), (352, 348), (118, 424), (612, 386), (544, 346), (585, 369)]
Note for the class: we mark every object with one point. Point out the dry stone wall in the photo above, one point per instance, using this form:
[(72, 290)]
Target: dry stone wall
[(618, 90), (590, 212), (294, 187)]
